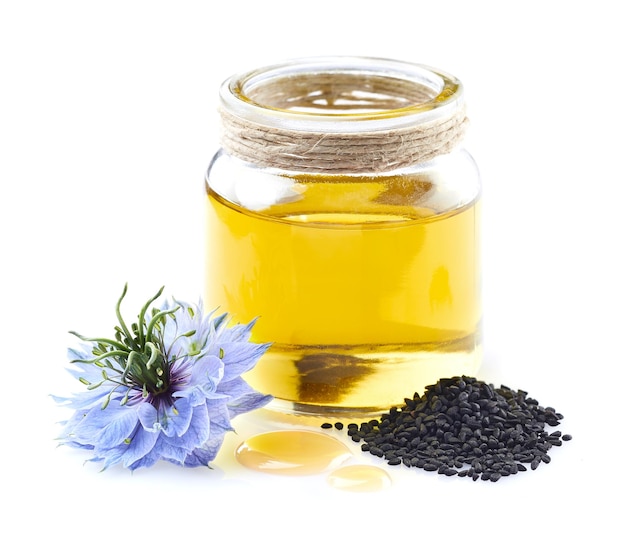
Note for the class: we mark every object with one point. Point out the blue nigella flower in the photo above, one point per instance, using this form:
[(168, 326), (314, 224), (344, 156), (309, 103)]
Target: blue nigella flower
[(164, 389)]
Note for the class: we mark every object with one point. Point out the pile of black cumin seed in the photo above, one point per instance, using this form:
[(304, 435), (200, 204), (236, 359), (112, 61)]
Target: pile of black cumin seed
[(465, 427)]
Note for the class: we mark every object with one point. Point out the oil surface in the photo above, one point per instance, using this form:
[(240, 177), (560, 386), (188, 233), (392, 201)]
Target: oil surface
[(367, 290), (291, 452), (359, 478)]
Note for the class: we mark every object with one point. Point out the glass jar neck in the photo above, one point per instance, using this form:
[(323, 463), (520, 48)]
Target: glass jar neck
[(341, 115)]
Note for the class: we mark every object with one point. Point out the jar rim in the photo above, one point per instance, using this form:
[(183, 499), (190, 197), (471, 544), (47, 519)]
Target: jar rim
[(442, 94)]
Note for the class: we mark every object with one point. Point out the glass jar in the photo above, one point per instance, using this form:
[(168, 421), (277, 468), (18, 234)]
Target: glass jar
[(343, 215)]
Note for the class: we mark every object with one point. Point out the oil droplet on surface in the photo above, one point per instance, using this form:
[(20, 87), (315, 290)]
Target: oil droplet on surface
[(291, 452), (360, 478)]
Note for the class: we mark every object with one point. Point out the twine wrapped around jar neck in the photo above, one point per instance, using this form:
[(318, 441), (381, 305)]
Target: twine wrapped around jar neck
[(324, 147)]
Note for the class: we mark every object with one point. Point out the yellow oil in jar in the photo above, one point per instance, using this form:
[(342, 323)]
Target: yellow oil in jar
[(367, 290)]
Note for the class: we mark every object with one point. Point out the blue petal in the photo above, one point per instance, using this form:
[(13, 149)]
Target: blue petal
[(73, 444), (196, 434), (119, 427), (140, 446), (88, 371), (240, 357), (220, 425), (173, 421), (150, 458), (67, 433), (207, 372), (243, 397), (199, 428), (216, 400), (183, 322), (136, 453), (83, 400), (236, 333), (177, 418), (220, 419), (203, 456), (235, 388), (105, 426), (212, 446), (149, 417), (170, 451), (248, 403)]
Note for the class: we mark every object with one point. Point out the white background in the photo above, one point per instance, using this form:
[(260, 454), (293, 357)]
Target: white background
[(107, 124)]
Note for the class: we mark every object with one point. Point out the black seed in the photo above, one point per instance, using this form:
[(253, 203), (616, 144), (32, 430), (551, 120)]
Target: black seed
[(461, 422), (567, 437), (327, 425), (339, 425)]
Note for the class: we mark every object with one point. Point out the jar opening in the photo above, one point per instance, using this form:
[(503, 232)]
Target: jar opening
[(338, 92)]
